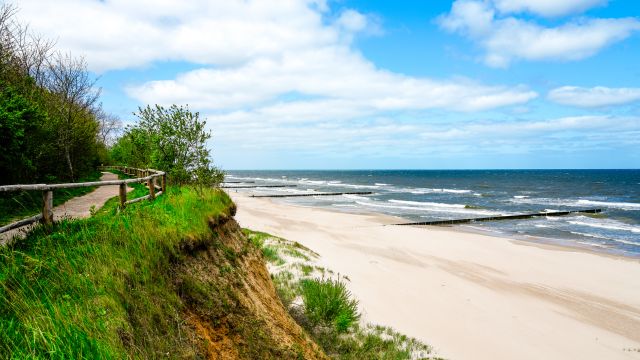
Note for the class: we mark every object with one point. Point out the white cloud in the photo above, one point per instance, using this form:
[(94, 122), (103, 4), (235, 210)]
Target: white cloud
[(119, 34), (593, 97), (330, 72), (505, 39), (548, 8), (252, 52)]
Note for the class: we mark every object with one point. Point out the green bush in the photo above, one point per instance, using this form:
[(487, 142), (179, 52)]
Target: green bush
[(328, 302)]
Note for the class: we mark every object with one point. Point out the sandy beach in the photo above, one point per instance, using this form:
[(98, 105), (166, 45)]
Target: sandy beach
[(470, 296)]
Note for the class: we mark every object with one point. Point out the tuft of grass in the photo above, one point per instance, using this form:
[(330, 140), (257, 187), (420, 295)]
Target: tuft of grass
[(328, 302)]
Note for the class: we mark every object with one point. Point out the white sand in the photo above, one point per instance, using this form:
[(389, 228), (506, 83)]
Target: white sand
[(470, 296)]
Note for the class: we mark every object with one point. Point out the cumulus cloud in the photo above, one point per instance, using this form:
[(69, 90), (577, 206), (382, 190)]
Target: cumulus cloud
[(120, 34), (547, 8), (251, 53), (327, 73), (505, 38), (598, 96)]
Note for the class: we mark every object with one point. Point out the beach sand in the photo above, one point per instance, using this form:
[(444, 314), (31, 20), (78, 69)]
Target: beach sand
[(470, 296)]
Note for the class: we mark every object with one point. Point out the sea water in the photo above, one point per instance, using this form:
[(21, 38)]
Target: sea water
[(423, 195)]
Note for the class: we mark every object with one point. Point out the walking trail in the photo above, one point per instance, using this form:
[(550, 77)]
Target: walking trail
[(76, 208)]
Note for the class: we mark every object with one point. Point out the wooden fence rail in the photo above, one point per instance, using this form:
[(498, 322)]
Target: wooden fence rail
[(148, 176)]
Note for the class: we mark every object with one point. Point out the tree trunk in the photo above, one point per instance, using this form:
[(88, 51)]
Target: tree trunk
[(68, 156)]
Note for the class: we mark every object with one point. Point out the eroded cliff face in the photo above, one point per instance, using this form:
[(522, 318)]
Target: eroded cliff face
[(232, 310)]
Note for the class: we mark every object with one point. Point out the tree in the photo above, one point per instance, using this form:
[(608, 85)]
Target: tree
[(109, 125), (74, 100), (171, 139)]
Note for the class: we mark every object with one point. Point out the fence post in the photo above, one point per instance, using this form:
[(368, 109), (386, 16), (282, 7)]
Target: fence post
[(152, 189), (123, 195), (47, 207), (164, 182)]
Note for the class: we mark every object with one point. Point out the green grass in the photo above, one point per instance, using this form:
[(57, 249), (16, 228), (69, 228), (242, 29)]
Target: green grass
[(21, 204), (98, 288), (327, 302), (325, 308)]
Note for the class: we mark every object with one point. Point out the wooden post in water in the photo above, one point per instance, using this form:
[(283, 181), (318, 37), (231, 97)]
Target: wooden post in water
[(152, 189), (47, 207), (123, 195), (164, 182)]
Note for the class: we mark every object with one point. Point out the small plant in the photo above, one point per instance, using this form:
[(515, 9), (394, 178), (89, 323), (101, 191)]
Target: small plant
[(328, 302)]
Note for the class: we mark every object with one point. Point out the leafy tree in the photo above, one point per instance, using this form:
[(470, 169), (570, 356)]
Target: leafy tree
[(171, 139)]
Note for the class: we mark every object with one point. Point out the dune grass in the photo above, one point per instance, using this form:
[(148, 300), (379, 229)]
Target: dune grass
[(97, 288), (18, 205), (319, 301)]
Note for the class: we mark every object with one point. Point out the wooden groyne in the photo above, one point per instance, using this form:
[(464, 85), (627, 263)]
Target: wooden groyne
[(257, 186), (238, 182), (503, 217), (318, 194)]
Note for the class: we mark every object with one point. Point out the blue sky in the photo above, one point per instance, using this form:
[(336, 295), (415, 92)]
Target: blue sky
[(307, 84)]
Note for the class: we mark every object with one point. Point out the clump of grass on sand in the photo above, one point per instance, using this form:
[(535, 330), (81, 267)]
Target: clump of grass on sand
[(318, 299)]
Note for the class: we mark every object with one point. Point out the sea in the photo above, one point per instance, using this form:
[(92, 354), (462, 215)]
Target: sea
[(424, 195)]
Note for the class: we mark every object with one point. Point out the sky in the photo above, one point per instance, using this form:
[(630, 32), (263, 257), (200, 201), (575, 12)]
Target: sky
[(371, 84)]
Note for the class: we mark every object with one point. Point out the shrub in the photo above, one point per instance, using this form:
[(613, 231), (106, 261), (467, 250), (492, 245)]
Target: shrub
[(328, 302)]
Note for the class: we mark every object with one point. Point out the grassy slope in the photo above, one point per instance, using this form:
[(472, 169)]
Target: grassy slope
[(19, 205), (97, 288)]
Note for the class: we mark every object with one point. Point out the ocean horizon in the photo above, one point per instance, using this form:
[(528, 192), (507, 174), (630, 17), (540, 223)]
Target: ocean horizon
[(426, 195)]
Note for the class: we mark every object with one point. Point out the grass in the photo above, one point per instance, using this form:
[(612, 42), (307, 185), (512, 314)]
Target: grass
[(99, 288), (319, 301), (21, 204), (327, 302)]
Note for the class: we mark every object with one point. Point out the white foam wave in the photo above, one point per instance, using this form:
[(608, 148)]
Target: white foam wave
[(619, 205), (354, 197), (577, 203), (416, 206), (606, 224), (420, 191)]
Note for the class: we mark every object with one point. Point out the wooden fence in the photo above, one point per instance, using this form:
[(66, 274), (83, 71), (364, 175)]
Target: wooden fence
[(150, 176)]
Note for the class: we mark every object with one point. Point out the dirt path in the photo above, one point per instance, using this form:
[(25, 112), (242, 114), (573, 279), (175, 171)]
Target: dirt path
[(80, 207), (76, 208)]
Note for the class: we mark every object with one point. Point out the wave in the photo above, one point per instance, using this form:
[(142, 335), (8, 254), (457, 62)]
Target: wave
[(420, 191), (605, 224), (418, 206), (521, 196), (354, 197), (619, 205), (576, 203)]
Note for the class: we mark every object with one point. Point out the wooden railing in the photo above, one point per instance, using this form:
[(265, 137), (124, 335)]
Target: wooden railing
[(150, 176)]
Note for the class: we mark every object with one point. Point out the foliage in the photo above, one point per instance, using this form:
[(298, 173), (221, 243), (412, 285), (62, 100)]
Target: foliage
[(49, 110), (171, 139)]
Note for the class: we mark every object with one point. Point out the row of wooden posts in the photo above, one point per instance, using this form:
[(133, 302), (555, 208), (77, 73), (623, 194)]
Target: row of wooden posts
[(150, 176)]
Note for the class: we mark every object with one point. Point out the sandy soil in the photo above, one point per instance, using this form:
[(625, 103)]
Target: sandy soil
[(471, 296), (78, 207)]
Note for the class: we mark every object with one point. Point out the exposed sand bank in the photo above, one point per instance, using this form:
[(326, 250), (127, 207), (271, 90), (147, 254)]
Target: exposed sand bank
[(470, 296)]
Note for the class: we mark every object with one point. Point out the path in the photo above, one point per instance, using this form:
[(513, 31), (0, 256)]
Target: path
[(76, 208)]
